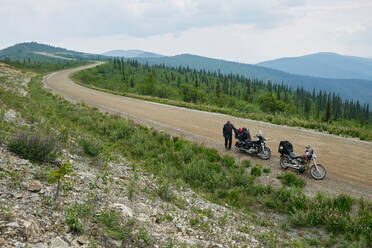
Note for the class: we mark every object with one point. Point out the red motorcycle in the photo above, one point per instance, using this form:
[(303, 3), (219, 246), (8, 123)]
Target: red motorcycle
[(301, 163)]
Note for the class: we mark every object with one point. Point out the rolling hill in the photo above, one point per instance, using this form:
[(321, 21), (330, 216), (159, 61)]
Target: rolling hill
[(326, 65), (132, 54), (40, 52), (357, 89)]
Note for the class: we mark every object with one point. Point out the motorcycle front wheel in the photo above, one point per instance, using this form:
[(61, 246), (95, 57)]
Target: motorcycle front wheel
[(284, 160), (318, 174), (265, 155)]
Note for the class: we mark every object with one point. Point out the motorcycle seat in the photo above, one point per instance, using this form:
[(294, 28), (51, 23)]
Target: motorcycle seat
[(293, 156)]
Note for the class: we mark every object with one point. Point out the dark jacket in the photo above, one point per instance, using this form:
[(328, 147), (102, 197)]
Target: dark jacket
[(227, 129)]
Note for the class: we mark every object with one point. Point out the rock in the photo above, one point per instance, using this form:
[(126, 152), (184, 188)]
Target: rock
[(17, 195), (35, 186), (31, 229), (82, 240), (188, 242), (40, 245), (114, 243), (10, 115), (19, 245), (13, 225), (58, 243), (180, 228), (142, 217), (125, 210)]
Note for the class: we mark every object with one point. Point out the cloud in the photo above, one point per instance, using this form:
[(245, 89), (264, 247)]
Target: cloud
[(241, 30), (136, 17)]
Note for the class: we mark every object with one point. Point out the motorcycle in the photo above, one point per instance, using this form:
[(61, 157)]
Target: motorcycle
[(258, 146), (301, 163)]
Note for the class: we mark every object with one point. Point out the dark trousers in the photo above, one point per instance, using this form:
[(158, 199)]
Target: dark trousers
[(228, 138)]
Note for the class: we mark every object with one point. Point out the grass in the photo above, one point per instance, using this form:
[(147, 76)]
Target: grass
[(219, 178), (291, 180)]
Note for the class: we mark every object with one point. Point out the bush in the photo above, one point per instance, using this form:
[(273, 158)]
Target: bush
[(91, 147), (35, 147), (228, 161), (256, 171), (289, 179), (266, 170), (246, 163)]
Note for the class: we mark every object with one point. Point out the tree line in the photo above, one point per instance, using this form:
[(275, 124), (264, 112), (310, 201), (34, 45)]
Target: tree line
[(230, 91)]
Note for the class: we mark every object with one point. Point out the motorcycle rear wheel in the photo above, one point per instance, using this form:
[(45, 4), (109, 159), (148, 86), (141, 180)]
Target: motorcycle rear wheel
[(318, 174), (266, 154), (284, 160)]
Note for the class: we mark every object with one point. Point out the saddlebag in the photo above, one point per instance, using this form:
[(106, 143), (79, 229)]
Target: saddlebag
[(285, 147)]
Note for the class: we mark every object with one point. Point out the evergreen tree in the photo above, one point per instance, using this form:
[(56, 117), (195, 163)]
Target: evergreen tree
[(328, 109)]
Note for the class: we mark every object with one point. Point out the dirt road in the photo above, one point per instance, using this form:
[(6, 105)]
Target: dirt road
[(348, 161)]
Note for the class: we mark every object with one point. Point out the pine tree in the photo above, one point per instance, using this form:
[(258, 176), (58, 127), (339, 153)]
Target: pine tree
[(307, 108), (218, 89), (328, 109)]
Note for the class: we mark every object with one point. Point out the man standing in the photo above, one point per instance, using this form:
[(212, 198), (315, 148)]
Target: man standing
[(227, 134)]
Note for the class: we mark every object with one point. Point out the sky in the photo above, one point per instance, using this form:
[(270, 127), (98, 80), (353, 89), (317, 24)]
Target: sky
[(247, 31)]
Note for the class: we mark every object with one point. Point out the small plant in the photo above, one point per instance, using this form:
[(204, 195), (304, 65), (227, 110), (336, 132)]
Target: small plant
[(73, 221), (36, 147), (291, 180), (256, 171), (246, 163), (131, 190), (165, 193), (59, 175), (266, 170)]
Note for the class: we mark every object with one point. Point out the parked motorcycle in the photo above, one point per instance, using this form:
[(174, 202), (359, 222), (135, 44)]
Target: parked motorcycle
[(258, 146), (301, 163)]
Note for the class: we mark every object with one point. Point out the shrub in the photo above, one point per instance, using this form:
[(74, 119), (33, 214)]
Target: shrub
[(246, 163), (266, 170), (256, 171), (91, 146), (289, 179), (228, 161), (35, 147), (165, 193), (119, 130), (343, 203)]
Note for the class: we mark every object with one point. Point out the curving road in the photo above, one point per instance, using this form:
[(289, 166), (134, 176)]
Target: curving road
[(348, 161)]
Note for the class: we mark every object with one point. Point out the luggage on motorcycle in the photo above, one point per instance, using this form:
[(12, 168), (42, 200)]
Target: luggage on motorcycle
[(243, 134), (285, 147)]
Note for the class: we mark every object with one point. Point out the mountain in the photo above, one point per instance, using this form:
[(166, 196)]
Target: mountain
[(347, 88), (40, 52), (132, 54), (326, 65)]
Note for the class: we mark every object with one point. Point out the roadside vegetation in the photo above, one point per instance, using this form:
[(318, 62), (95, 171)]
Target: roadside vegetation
[(234, 95), (219, 178)]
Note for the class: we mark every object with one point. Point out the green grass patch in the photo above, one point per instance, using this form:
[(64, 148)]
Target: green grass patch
[(291, 180)]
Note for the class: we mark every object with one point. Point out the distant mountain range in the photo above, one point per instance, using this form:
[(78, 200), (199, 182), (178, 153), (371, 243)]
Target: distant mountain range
[(327, 65), (131, 54), (347, 88), (358, 88)]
